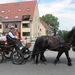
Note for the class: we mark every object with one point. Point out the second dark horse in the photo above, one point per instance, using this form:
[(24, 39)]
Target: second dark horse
[(62, 44)]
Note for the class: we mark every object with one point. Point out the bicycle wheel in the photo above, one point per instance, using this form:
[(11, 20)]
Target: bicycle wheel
[(17, 57), (1, 57)]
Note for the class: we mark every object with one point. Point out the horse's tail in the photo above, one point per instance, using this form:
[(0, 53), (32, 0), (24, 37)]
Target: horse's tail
[(34, 51)]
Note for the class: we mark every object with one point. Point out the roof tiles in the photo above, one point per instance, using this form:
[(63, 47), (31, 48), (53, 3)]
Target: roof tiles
[(19, 9)]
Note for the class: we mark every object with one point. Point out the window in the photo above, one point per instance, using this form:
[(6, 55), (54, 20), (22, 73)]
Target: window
[(16, 16), (0, 26), (8, 10), (6, 17), (19, 10), (26, 17), (7, 26), (15, 25), (2, 11), (28, 9), (26, 25), (26, 33)]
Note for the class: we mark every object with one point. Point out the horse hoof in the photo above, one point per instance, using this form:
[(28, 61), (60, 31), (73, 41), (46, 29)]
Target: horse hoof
[(55, 64), (70, 64), (38, 63), (45, 63)]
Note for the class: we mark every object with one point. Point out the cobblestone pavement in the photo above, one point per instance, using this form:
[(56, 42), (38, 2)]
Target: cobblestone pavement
[(27, 68)]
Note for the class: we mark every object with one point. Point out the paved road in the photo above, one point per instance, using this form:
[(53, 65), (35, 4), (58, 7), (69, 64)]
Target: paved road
[(27, 68)]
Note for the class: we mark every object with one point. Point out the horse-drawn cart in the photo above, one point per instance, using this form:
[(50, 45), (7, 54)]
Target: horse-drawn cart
[(5, 50), (17, 56)]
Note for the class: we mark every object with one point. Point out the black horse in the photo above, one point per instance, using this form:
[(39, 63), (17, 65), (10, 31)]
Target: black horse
[(62, 44)]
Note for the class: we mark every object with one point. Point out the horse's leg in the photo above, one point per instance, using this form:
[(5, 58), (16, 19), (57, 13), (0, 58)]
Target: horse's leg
[(33, 57), (68, 58), (58, 56), (42, 58), (36, 60), (34, 53)]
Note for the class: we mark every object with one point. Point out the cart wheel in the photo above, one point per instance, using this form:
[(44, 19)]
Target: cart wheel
[(17, 57), (26, 53), (7, 55), (1, 57)]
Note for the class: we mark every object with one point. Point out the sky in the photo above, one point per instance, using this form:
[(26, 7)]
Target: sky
[(64, 10)]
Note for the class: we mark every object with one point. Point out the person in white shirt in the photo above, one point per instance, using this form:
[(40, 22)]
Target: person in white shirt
[(13, 39)]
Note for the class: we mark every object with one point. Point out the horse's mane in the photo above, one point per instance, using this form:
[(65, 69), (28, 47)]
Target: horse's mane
[(69, 34)]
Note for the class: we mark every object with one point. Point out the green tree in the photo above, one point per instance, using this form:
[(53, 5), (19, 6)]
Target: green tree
[(52, 21), (73, 27), (62, 32)]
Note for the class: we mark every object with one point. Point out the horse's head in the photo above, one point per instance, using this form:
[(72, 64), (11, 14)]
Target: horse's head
[(70, 38)]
